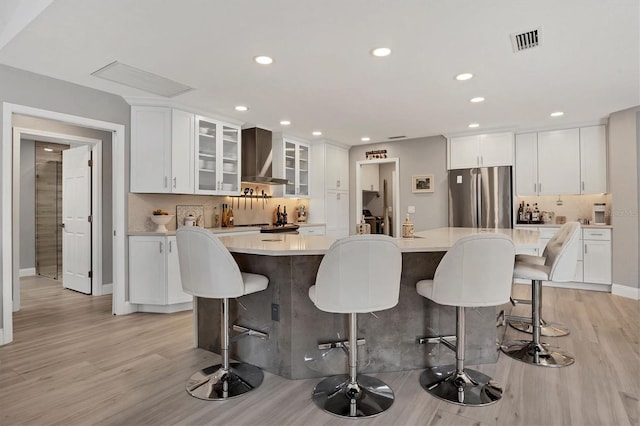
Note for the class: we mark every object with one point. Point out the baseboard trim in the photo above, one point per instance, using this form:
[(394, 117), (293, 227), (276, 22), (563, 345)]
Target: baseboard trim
[(107, 288), (626, 291), (165, 309), (1, 336), (27, 272)]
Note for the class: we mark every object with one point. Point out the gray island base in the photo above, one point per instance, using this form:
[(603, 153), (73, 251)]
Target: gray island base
[(296, 327)]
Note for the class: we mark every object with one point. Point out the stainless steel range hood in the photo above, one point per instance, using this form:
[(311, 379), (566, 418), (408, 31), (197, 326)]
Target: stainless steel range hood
[(257, 157)]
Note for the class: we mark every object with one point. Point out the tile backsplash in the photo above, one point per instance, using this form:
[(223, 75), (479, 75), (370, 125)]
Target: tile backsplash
[(141, 207), (574, 207)]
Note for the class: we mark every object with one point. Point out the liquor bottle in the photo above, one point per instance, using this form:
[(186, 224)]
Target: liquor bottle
[(284, 216), (535, 217), (528, 213), (230, 217), (521, 212), (224, 222)]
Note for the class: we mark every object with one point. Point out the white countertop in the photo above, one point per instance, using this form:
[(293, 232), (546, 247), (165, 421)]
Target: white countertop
[(440, 239), (217, 231), (555, 225)]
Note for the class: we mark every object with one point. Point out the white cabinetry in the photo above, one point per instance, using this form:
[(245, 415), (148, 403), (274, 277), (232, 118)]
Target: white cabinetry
[(569, 161), (495, 149), (311, 230), (597, 255), (336, 172), (559, 162), (526, 168), (593, 160), (337, 213), (370, 177), (217, 147), (154, 274), (291, 159), (161, 150)]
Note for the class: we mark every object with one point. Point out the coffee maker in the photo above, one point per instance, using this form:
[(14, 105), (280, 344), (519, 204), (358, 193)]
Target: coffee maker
[(599, 214)]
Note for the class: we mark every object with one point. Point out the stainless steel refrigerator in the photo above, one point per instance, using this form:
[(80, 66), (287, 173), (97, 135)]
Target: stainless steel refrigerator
[(481, 197)]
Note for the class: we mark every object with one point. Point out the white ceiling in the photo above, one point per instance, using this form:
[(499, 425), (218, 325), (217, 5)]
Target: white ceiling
[(324, 77)]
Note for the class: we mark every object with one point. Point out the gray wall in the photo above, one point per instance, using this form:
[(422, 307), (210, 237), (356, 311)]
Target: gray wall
[(27, 204), (624, 185), (417, 156), (29, 89), (107, 148)]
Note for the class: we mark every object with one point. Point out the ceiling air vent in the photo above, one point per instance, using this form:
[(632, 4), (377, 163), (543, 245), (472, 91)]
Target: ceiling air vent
[(526, 40), (140, 79), (396, 137)]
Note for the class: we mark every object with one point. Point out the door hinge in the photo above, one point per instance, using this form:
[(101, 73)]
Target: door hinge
[(90, 218), (90, 274), (90, 163)]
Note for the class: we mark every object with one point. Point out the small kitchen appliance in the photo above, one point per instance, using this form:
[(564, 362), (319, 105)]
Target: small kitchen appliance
[(599, 213)]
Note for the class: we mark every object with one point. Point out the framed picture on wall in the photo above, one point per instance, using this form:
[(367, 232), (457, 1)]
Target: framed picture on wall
[(422, 183)]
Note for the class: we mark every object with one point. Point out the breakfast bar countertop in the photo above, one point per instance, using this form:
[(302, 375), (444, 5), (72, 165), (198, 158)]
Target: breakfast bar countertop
[(433, 240)]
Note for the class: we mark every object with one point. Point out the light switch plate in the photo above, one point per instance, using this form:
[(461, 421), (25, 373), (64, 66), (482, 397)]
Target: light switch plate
[(411, 209)]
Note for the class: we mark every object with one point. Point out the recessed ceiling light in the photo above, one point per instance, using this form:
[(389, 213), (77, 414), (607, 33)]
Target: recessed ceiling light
[(48, 149), (476, 100), (263, 60), (317, 133), (381, 51), (557, 114), (464, 76), (474, 125), (365, 139), (241, 108), (285, 122)]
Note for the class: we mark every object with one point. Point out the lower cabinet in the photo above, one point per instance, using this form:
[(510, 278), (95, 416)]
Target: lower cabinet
[(337, 213), (154, 274)]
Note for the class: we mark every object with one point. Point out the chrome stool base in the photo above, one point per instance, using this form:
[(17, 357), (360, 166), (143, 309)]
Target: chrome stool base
[(214, 384), (537, 354), (370, 397), (470, 388), (547, 329)]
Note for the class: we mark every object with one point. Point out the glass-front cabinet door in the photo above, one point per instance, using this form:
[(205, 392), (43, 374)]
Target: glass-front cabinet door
[(217, 157), (229, 159), (296, 167)]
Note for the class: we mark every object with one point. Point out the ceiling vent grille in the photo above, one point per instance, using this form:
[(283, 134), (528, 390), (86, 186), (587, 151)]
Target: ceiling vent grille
[(526, 40), (396, 137), (140, 79)]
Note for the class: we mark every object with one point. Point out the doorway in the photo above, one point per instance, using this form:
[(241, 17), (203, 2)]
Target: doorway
[(377, 187), (11, 213)]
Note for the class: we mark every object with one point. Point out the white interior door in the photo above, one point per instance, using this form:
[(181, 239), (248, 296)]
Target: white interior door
[(76, 212)]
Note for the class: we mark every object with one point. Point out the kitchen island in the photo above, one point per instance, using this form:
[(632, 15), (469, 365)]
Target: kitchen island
[(296, 327)]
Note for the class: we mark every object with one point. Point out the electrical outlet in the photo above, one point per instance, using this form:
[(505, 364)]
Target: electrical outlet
[(275, 312), (411, 209)]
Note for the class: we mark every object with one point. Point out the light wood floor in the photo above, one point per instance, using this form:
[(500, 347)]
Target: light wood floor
[(73, 363)]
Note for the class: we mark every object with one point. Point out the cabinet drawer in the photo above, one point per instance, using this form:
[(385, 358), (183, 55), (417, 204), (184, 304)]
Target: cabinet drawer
[(596, 234), (547, 233)]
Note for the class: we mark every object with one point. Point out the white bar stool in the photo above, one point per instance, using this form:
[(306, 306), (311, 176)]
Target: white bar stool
[(477, 271), (559, 265), (358, 274), (208, 270), (547, 329)]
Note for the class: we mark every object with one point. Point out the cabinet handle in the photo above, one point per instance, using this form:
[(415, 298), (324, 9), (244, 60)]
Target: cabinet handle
[(338, 183), (583, 185), (161, 246), (165, 181), (372, 187), (338, 196), (593, 233), (585, 249), (535, 187), (170, 246), (481, 160), (539, 187), (174, 182)]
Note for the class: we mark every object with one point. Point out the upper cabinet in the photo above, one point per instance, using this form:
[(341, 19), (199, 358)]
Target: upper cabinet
[(178, 152), (161, 150), (217, 147), (292, 160), (494, 149), (569, 161), (336, 171), (370, 177), (593, 160), (559, 162)]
